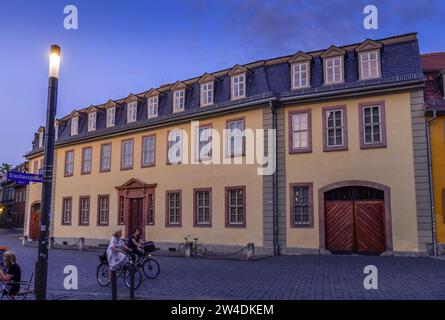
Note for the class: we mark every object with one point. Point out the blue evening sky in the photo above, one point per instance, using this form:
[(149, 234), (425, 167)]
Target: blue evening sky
[(129, 46)]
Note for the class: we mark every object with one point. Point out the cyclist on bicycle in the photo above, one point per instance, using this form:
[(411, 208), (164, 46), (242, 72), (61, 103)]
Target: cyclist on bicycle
[(115, 252), (12, 277), (135, 243)]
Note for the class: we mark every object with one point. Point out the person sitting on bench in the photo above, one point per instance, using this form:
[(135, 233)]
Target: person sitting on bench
[(12, 277)]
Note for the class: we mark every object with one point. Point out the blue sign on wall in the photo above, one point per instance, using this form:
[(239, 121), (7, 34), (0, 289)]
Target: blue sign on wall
[(23, 177)]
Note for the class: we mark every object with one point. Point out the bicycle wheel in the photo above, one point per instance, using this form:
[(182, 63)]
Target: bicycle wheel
[(103, 274), (181, 249), (137, 277), (201, 250), (151, 268)]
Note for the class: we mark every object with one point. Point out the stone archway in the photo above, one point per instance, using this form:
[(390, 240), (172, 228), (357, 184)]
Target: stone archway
[(355, 183)]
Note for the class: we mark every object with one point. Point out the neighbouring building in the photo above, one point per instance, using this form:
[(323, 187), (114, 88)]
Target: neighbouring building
[(12, 201), (351, 175), (434, 69)]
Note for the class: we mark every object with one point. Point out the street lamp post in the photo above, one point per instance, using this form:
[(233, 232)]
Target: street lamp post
[(47, 172)]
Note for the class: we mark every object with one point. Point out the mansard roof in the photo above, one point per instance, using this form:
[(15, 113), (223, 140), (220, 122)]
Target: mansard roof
[(266, 80)]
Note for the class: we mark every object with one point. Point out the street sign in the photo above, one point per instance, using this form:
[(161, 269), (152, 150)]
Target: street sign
[(23, 177)]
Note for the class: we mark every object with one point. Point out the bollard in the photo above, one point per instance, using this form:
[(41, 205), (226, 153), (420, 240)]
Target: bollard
[(250, 254), (188, 247), (132, 271), (81, 244), (113, 285), (24, 240), (51, 243)]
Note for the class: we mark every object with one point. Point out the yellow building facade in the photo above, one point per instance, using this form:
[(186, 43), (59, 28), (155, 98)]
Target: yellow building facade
[(347, 172)]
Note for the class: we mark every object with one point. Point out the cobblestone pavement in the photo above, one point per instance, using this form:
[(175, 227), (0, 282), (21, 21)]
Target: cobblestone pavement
[(284, 277)]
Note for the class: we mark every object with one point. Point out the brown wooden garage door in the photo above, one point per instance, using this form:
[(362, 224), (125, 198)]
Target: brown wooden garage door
[(355, 226)]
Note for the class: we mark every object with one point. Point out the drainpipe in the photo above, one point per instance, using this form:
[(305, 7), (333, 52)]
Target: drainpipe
[(276, 247), (431, 187)]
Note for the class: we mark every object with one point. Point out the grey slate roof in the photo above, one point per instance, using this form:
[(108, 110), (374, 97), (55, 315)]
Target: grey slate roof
[(400, 62)]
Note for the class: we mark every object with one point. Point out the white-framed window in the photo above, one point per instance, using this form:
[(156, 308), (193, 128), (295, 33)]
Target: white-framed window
[(69, 163), (92, 116), (236, 206), (235, 137), (132, 111), (104, 205), (74, 125), (178, 100), (84, 216), (105, 157), (111, 117), (203, 205), (300, 75), (206, 93), (333, 70), (369, 65), (174, 208), (41, 135), (153, 103), (204, 143), (372, 125), (239, 86), (87, 154), (127, 154), (148, 150), (335, 128), (300, 128), (174, 153), (67, 210)]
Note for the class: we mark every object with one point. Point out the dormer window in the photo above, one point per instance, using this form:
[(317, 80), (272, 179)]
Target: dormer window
[(206, 94), (111, 117), (369, 65), (300, 75), (132, 110), (333, 64), (92, 116), (74, 125), (239, 86), (368, 54), (41, 136), (153, 103), (178, 100), (334, 70)]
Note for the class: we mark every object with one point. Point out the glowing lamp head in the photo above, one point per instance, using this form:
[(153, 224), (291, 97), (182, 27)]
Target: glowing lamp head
[(54, 61)]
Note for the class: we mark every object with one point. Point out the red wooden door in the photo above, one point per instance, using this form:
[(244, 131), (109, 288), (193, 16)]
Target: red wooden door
[(370, 226), (339, 222), (135, 215), (34, 223)]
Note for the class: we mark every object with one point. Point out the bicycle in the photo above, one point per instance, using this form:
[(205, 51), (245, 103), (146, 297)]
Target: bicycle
[(22, 294), (195, 248), (149, 265), (103, 272)]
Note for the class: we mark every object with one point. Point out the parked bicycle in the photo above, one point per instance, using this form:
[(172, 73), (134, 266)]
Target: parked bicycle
[(196, 249), (103, 274)]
